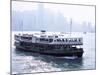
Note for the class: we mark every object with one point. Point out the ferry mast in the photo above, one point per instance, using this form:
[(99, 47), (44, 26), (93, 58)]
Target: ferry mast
[(70, 26)]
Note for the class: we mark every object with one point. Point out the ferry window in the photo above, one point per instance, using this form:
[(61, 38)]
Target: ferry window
[(43, 31), (56, 36), (70, 40), (17, 36), (23, 37), (37, 39), (57, 40), (46, 39), (29, 38), (66, 40), (42, 36), (62, 40), (75, 40), (50, 40), (79, 40), (41, 39)]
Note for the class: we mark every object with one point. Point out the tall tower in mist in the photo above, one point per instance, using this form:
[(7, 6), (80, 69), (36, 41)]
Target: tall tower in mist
[(40, 18)]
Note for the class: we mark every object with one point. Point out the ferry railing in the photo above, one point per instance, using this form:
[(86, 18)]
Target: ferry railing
[(70, 41)]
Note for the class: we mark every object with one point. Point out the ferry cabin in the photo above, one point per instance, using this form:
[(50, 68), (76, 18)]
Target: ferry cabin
[(50, 45), (49, 40)]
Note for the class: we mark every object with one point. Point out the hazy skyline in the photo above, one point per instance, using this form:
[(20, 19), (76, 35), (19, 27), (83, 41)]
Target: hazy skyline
[(76, 12)]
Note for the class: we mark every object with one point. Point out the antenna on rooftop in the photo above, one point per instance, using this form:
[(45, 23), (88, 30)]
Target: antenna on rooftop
[(70, 26), (22, 25)]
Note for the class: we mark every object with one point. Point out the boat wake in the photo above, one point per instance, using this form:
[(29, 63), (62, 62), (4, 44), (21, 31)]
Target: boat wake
[(74, 57)]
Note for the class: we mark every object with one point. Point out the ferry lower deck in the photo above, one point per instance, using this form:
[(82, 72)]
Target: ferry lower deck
[(50, 49)]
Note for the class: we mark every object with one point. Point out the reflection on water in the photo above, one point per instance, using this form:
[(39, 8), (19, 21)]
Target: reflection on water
[(28, 62)]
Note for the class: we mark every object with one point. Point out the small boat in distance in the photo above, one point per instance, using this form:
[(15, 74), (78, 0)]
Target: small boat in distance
[(84, 32), (54, 45)]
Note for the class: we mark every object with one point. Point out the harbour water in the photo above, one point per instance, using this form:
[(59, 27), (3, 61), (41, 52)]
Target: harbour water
[(28, 62)]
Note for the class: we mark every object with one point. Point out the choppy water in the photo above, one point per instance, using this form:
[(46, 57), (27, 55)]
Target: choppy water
[(27, 62)]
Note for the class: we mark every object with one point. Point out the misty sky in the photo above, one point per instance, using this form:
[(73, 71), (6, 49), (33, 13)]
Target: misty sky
[(76, 12)]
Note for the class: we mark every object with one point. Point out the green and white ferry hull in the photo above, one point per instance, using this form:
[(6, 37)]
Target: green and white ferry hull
[(49, 45)]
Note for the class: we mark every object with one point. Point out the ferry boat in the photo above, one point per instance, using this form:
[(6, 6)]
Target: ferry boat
[(54, 45)]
